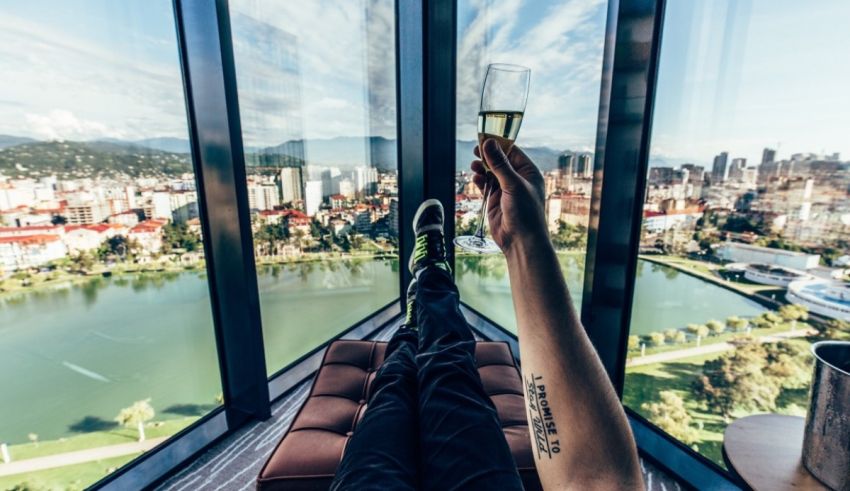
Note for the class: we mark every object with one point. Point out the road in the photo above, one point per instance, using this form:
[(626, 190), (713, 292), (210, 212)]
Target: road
[(709, 349), (77, 457)]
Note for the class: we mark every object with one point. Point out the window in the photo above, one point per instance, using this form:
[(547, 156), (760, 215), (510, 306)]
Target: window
[(562, 43), (745, 238), (107, 332), (317, 101)]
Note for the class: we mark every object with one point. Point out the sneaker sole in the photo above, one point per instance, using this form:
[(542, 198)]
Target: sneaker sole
[(425, 204)]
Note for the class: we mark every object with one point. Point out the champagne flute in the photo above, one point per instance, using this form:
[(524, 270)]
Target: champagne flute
[(503, 99)]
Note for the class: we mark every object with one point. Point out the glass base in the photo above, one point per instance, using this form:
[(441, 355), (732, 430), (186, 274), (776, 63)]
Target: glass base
[(481, 245)]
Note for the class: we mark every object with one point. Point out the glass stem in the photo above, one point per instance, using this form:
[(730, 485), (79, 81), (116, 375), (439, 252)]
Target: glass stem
[(482, 213)]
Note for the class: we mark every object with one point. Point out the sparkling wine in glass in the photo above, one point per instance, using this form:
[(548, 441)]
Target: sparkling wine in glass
[(503, 99)]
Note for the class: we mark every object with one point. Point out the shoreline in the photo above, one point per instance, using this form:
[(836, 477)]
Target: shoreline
[(760, 299), (68, 279)]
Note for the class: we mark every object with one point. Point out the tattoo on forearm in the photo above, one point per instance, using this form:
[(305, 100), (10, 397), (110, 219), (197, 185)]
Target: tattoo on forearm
[(540, 415)]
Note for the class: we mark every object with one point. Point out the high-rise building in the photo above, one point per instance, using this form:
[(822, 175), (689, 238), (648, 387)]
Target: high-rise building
[(392, 217), (312, 197), (161, 205), (584, 165), (86, 213), (696, 173), (330, 181), (769, 171), (735, 171), (566, 163), (365, 180), (553, 212), (346, 188), (363, 222), (290, 184), (130, 197), (719, 171), (768, 155), (262, 196)]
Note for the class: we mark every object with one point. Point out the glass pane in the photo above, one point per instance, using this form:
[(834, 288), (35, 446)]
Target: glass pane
[(103, 294), (562, 43), (745, 238), (317, 101)]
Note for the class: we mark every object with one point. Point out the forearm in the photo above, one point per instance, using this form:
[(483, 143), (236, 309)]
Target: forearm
[(579, 431)]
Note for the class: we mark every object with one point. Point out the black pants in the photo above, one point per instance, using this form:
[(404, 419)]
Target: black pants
[(429, 424)]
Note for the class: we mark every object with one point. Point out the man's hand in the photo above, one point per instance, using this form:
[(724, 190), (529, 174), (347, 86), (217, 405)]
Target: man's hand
[(515, 207)]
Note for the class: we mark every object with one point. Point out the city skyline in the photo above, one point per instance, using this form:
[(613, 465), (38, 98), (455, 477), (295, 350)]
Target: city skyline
[(717, 87)]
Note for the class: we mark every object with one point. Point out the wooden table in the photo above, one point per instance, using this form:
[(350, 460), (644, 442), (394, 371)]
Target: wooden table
[(764, 451)]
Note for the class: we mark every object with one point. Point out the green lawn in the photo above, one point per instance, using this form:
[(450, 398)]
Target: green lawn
[(643, 383), (97, 439), (71, 477)]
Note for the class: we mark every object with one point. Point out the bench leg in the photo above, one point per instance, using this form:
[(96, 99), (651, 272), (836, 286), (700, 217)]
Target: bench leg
[(462, 444)]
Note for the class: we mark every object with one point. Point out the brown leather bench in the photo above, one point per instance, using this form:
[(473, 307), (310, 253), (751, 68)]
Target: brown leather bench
[(310, 451)]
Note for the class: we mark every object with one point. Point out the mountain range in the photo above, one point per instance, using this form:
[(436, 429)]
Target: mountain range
[(168, 154)]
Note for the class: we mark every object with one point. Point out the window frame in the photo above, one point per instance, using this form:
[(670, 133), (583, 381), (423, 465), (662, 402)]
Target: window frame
[(425, 36)]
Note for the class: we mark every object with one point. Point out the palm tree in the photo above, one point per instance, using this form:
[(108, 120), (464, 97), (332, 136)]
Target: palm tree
[(136, 415)]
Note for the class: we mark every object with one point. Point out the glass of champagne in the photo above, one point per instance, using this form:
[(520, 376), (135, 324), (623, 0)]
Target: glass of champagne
[(503, 99)]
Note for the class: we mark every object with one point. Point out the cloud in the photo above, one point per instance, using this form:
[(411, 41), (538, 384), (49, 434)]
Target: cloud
[(561, 42), (64, 125), (91, 90), (340, 79), (313, 69)]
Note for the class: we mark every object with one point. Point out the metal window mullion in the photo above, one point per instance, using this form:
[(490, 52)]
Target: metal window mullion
[(209, 76), (409, 127), (440, 70), (632, 45)]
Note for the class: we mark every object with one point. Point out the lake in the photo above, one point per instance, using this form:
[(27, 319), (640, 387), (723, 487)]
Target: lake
[(72, 357), (665, 298)]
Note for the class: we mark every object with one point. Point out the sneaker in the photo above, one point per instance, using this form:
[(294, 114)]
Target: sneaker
[(430, 247), (410, 317)]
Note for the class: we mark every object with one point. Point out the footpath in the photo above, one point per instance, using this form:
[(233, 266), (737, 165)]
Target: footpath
[(709, 349), (77, 457)]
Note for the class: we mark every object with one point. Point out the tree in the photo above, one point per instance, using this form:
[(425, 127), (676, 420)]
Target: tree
[(82, 262), (33, 437), (58, 220), (679, 338), (118, 246), (766, 320), (716, 327), (180, 236), (697, 330), (569, 236), (656, 338), (634, 342), (737, 379), (136, 415), (792, 313), (788, 364), (833, 329), (671, 416), (736, 323)]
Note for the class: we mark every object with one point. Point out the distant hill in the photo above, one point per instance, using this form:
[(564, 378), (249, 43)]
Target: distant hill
[(167, 155), (347, 152), (544, 157), (343, 151), (10, 141), (89, 159)]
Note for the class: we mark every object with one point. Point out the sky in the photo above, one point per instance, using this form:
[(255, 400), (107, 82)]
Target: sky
[(735, 75)]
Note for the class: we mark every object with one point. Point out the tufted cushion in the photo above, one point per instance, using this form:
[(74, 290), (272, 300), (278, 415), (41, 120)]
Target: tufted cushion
[(310, 451)]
